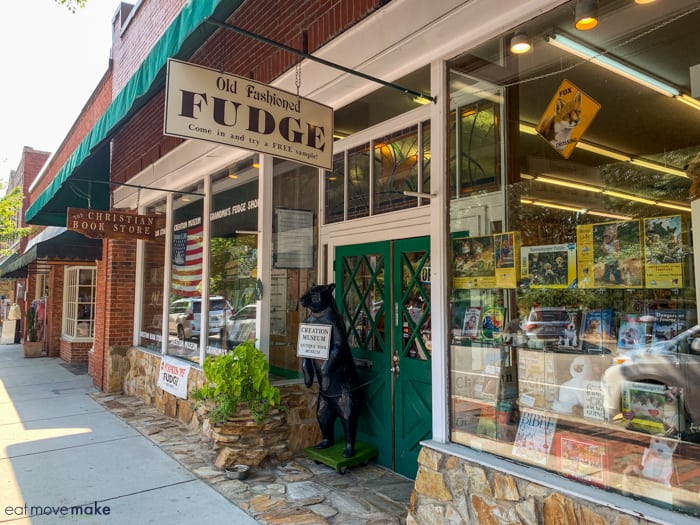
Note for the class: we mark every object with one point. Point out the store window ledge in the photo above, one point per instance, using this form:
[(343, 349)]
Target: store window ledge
[(562, 485)]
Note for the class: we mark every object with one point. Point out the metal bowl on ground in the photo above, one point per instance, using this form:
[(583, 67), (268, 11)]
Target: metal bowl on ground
[(237, 472)]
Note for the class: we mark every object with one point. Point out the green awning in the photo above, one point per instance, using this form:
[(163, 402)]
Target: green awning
[(57, 244), (90, 161)]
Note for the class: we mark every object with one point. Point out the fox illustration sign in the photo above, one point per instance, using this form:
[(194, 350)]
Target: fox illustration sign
[(567, 117)]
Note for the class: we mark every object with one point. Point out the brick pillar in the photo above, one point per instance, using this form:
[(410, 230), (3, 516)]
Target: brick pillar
[(54, 313), (114, 308)]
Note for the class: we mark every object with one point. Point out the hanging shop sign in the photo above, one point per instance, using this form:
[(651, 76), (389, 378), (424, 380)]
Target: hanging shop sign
[(206, 104), (101, 224), (567, 118)]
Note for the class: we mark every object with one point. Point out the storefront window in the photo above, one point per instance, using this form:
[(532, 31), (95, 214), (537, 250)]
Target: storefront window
[(233, 290), (185, 313), (358, 181), (295, 233), (573, 316), (152, 295), (79, 303)]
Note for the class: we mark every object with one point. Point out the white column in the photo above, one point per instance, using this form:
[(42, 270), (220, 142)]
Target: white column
[(265, 241)]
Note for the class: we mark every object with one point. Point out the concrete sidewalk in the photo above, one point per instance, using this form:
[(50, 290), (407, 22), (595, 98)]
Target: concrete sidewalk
[(64, 455)]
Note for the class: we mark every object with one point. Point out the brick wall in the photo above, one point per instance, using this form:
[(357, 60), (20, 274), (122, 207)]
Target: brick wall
[(114, 316), (131, 44), (140, 142), (55, 310)]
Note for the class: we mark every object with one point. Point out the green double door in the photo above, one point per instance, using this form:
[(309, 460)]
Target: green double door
[(383, 294)]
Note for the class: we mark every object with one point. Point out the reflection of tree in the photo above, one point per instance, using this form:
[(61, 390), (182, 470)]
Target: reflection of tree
[(226, 255)]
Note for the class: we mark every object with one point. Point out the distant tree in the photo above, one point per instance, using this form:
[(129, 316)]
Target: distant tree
[(10, 231), (72, 5)]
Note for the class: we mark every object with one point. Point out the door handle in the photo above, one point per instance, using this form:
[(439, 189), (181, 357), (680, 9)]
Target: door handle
[(395, 369)]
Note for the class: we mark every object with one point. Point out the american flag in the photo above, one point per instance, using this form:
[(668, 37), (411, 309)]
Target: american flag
[(187, 261)]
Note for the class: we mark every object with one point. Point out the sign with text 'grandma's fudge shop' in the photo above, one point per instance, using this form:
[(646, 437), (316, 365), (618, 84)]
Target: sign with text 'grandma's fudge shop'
[(206, 104), (102, 224)]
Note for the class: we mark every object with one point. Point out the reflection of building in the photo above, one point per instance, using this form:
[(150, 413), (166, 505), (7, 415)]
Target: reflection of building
[(409, 184)]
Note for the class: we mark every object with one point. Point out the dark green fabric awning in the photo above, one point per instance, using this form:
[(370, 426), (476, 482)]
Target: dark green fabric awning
[(56, 244), (90, 161)]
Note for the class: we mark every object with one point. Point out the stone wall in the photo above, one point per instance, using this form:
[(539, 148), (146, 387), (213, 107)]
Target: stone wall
[(136, 372), (453, 491)]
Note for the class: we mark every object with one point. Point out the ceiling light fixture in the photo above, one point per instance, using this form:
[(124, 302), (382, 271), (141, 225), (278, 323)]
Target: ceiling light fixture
[(586, 14), (628, 197), (599, 213), (643, 2), (597, 57), (659, 167), (520, 43), (421, 100)]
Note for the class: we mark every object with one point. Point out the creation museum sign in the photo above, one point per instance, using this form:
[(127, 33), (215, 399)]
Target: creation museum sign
[(206, 104)]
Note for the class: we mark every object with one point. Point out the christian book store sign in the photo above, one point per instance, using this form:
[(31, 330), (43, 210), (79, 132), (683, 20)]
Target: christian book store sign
[(100, 224), (205, 104)]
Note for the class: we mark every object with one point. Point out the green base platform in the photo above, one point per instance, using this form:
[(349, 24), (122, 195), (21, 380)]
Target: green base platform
[(333, 456)]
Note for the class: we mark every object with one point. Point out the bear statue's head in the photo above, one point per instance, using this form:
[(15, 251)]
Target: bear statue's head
[(319, 297)]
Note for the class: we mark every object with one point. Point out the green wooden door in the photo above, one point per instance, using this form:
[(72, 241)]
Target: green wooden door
[(383, 293)]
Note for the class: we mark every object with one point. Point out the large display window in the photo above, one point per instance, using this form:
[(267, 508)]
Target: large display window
[(153, 256), (574, 335)]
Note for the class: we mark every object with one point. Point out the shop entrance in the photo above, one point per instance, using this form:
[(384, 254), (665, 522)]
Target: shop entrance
[(383, 293)]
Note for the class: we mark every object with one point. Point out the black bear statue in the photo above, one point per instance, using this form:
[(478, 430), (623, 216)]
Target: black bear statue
[(338, 395)]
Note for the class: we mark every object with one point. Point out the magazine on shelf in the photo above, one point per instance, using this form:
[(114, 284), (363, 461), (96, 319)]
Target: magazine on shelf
[(632, 333), (668, 323), (582, 457), (472, 318), (653, 408), (597, 328), (535, 435)]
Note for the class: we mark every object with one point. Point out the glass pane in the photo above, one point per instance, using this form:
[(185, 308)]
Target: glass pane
[(415, 290), (233, 252), (426, 157), (364, 305), (358, 182), (335, 190), (396, 170), (184, 323)]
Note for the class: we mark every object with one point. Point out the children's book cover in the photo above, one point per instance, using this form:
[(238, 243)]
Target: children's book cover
[(507, 259), (582, 458), (492, 323), (535, 435), (663, 252), (597, 328), (610, 255), (668, 323), (632, 333), (474, 262), (549, 266), (472, 322)]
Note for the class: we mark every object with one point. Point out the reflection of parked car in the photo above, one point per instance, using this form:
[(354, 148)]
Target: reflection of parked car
[(185, 316), (240, 326), (547, 322), (673, 363)]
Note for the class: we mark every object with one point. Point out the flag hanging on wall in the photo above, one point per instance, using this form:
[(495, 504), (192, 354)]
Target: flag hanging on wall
[(187, 261)]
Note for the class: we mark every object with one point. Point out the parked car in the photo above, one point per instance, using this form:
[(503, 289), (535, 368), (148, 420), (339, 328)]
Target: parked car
[(185, 316), (547, 322), (240, 326)]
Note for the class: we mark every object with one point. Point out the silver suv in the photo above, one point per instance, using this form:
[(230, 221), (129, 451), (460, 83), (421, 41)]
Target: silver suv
[(185, 316)]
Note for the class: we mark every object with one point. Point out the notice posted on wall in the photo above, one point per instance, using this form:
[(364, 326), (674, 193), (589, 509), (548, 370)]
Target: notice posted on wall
[(173, 376), (314, 340)]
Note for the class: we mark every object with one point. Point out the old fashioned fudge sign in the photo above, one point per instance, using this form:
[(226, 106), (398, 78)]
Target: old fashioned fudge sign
[(206, 104), (314, 340), (101, 224)]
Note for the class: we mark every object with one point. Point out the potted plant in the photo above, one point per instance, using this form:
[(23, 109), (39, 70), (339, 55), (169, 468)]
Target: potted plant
[(237, 380), (31, 346), (243, 408)]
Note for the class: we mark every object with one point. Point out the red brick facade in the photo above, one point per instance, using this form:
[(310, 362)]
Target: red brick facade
[(114, 308)]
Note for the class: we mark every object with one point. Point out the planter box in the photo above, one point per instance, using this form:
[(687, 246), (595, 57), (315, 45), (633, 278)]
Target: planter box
[(33, 349)]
